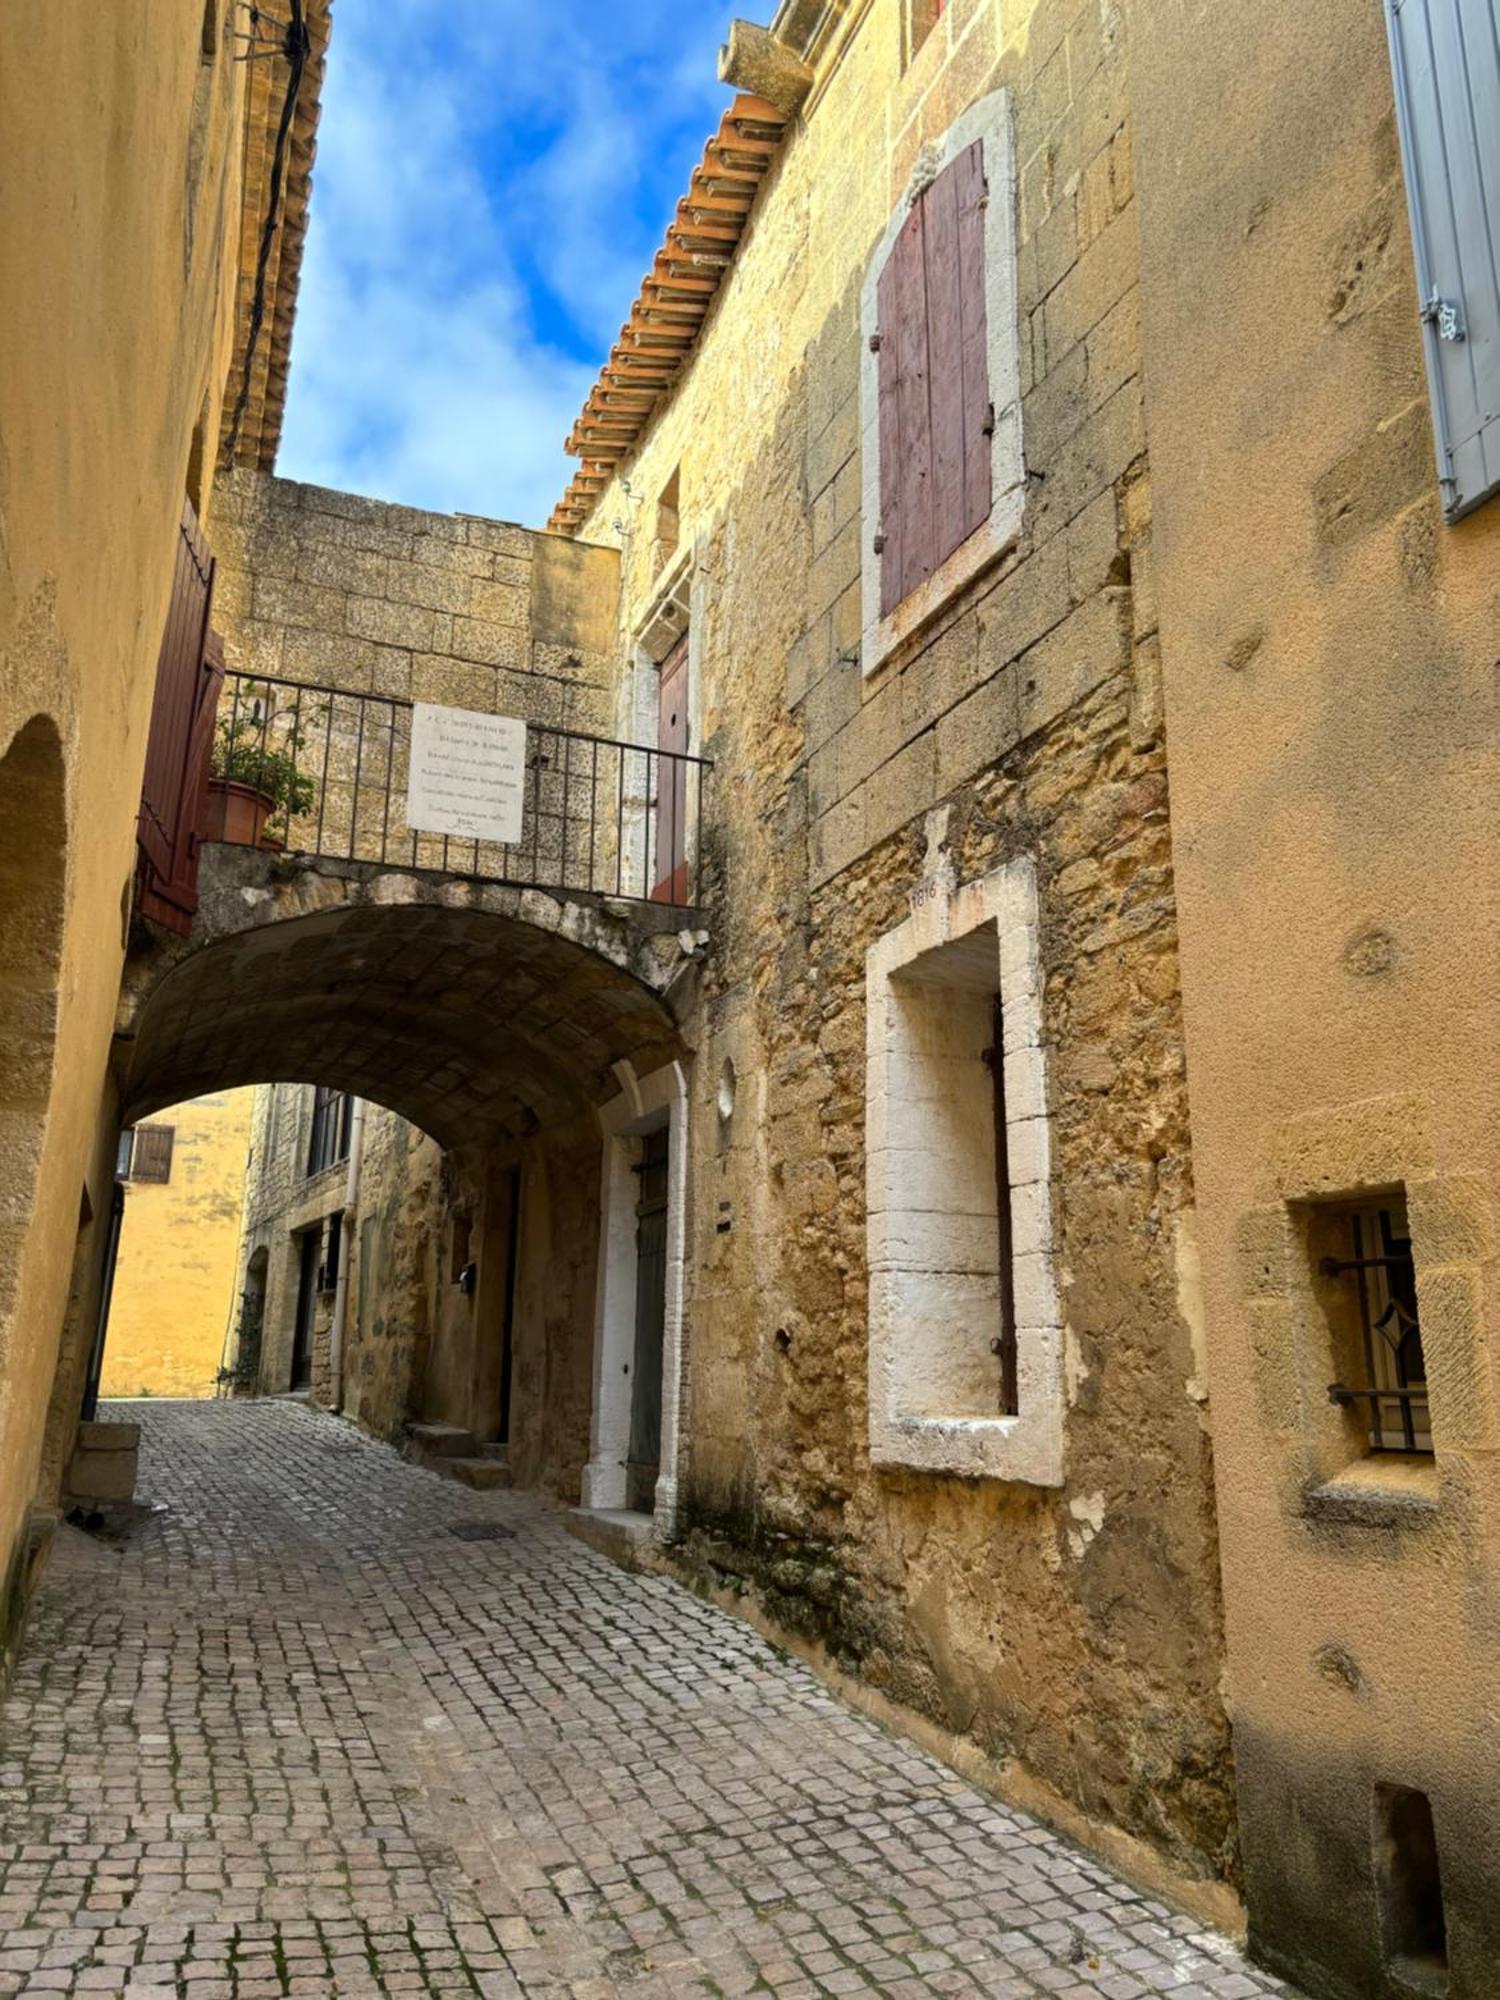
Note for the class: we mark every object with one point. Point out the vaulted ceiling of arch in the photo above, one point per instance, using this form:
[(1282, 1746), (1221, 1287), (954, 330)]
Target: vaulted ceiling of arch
[(466, 1022)]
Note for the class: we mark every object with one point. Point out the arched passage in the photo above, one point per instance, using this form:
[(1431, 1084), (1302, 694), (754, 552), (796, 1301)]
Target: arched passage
[(456, 1005), (33, 847), (498, 1024)]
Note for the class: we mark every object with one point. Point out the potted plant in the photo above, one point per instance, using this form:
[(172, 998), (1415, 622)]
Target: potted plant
[(254, 787)]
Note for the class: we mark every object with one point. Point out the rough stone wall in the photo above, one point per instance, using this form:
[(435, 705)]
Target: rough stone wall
[(281, 1200), (1074, 1635), (1331, 705), (554, 1317), (399, 1275), (415, 1345), (176, 1273), (337, 591)]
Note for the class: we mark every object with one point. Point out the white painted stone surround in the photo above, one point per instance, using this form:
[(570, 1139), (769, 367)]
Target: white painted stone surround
[(644, 1105), (931, 1227), (988, 121)]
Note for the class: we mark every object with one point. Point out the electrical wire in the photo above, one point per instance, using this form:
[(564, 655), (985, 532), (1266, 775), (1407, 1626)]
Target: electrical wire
[(296, 47)]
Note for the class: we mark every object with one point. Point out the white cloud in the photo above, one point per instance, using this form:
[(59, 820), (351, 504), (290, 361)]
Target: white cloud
[(474, 157)]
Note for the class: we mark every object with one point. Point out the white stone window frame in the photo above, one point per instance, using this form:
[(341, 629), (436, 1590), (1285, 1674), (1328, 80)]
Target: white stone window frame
[(989, 121), (645, 1104), (1027, 1447)]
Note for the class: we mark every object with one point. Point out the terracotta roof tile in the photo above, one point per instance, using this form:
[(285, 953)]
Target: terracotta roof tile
[(673, 302), (266, 81)]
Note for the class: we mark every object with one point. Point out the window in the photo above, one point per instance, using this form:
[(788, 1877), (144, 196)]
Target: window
[(333, 1243), (943, 480), (965, 1330), (462, 1237), (935, 417), (1446, 60), (332, 1117), (668, 523), (922, 16), (146, 1153), (1369, 1288), (209, 43)]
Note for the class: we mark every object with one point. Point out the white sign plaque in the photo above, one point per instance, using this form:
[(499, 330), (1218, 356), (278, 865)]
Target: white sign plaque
[(467, 773)]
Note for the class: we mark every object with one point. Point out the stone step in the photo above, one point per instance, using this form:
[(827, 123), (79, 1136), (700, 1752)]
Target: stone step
[(485, 1474), (429, 1441), (624, 1537)]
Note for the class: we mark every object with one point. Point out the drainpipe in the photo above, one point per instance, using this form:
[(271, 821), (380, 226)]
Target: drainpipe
[(90, 1408), (341, 1286)]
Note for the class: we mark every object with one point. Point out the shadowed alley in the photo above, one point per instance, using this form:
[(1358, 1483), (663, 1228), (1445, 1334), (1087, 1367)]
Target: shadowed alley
[(329, 1724)]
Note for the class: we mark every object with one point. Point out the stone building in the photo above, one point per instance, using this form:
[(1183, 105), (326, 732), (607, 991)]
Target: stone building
[(184, 1180), (987, 1213), (944, 949), (128, 249)]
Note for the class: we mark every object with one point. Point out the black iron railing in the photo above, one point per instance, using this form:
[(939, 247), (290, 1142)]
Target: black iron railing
[(322, 771)]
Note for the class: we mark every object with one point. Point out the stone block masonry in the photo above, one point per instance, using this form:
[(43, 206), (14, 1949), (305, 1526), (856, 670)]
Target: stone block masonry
[(1053, 1600), (336, 591)]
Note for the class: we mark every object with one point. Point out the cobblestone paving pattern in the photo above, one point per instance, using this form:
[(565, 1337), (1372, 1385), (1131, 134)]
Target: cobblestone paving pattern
[(301, 1736)]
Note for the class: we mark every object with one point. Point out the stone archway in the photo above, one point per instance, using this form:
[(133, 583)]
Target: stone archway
[(497, 1022), (470, 1009), (33, 885)]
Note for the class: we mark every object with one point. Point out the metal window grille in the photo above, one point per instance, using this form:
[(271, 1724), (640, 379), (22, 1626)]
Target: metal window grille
[(150, 1156), (1383, 1274), (332, 1120)]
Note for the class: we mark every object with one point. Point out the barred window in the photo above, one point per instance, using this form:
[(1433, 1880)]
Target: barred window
[(1383, 1377)]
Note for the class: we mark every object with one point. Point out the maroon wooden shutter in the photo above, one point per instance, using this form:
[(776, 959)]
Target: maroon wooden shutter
[(935, 420), (189, 674), (907, 557)]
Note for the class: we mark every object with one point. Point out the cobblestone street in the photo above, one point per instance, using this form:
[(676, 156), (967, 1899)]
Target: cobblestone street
[(329, 1724)]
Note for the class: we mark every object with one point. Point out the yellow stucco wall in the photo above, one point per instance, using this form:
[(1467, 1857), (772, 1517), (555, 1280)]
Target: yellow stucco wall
[(176, 1269), (1329, 648), (120, 161)]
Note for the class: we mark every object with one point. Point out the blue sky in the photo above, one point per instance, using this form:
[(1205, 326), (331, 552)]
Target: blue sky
[(492, 179)]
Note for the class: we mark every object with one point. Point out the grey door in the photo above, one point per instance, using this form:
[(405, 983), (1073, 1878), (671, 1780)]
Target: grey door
[(644, 1462), (307, 1299)]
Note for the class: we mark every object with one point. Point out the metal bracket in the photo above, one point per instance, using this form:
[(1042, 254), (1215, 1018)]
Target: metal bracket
[(1446, 315)]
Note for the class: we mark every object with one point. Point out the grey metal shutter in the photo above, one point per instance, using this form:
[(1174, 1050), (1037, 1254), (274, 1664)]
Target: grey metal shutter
[(1446, 57)]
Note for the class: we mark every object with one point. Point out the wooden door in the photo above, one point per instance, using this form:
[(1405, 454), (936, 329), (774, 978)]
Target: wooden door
[(644, 1461), (671, 778), (508, 1308), (307, 1300)]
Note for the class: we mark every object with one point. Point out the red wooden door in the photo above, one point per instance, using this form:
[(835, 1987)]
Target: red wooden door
[(671, 778), (189, 674)]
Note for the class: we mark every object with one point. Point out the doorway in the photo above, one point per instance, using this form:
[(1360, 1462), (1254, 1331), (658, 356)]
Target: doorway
[(512, 1200), (308, 1245), (671, 778), (643, 1461)]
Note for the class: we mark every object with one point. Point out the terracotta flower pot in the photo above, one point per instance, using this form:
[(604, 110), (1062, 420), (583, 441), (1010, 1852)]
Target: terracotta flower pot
[(237, 813)]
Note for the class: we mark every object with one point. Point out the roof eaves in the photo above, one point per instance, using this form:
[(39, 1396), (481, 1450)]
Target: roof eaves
[(258, 434), (658, 338)]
